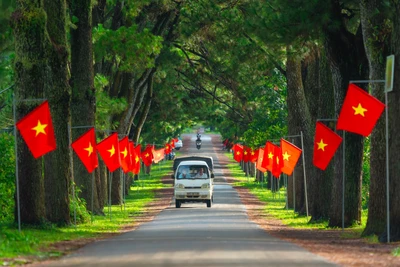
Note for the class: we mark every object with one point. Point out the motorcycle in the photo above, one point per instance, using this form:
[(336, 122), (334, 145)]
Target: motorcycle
[(198, 143)]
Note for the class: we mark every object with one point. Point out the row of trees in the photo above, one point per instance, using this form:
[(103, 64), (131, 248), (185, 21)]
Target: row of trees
[(258, 70)]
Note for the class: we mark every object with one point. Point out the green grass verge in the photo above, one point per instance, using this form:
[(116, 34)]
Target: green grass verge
[(275, 204), (31, 241), (396, 252)]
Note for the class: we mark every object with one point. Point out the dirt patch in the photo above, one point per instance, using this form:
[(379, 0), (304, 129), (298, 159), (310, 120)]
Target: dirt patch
[(326, 243)]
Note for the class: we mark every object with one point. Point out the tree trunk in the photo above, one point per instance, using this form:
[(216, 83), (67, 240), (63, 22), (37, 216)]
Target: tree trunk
[(348, 61), (299, 120), (83, 104), (57, 175), (394, 119), (319, 94), (29, 25), (373, 24)]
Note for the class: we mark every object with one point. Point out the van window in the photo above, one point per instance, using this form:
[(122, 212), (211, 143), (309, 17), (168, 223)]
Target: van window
[(192, 172)]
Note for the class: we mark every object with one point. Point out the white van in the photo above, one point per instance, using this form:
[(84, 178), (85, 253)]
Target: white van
[(193, 183)]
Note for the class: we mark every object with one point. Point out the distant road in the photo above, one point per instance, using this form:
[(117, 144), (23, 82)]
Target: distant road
[(195, 235)]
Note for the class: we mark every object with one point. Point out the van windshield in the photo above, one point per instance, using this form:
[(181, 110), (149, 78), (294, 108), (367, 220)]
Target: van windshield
[(193, 172)]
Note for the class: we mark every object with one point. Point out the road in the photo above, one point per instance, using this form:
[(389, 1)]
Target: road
[(195, 235)]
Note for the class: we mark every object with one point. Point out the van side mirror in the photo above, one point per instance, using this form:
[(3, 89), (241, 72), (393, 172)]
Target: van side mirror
[(172, 176), (212, 175)]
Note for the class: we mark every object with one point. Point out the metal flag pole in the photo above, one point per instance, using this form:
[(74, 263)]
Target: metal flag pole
[(71, 162), (344, 176), (92, 195), (294, 189), (387, 168), (287, 203), (304, 170), (16, 165), (109, 194)]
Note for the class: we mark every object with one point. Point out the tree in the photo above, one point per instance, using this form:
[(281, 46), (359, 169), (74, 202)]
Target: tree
[(31, 66)]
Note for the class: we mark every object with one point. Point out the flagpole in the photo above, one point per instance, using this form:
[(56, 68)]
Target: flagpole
[(287, 203), (92, 194), (71, 162), (16, 163), (294, 188), (387, 168), (304, 170), (109, 193), (344, 176)]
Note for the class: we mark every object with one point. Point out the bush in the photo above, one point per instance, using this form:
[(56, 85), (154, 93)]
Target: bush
[(7, 177)]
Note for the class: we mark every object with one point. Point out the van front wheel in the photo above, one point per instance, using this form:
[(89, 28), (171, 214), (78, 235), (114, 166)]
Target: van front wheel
[(208, 203), (177, 204)]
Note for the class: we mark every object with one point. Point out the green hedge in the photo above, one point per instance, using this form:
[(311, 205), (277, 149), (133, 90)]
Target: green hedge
[(7, 177)]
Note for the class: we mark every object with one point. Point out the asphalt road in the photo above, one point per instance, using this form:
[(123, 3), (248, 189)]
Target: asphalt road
[(195, 235)]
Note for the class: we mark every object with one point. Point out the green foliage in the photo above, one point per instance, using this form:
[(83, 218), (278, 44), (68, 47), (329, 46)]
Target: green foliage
[(7, 177), (106, 106), (133, 50), (396, 252), (366, 174), (77, 207)]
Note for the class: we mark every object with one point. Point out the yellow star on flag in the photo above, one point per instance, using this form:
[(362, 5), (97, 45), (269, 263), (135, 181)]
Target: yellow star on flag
[(89, 149), (270, 155), (39, 128), (286, 156), (245, 152), (125, 152), (321, 145), (147, 155), (238, 153), (359, 110), (277, 160), (252, 153), (137, 159), (112, 151)]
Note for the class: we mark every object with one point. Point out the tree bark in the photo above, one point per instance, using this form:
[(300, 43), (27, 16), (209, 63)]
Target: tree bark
[(299, 120), (394, 119), (348, 61), (57, 175), (83, 104), (373, 25), (29, 26), (319, 95)]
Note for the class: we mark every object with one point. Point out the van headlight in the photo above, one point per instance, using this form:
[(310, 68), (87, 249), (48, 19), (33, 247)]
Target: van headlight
[(204, 186), (180, 186)]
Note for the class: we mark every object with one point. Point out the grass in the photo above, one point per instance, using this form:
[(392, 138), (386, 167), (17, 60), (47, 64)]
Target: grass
[(275, 204), (396, 252), (31, 241)]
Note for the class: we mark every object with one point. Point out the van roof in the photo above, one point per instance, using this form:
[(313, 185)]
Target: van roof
[(207, 159), (193, 162)]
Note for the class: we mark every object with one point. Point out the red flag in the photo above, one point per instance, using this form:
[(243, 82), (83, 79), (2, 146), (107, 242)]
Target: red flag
[(238, 152), (172, 143), (85, 148), (277, 164), (290, 155), (158, 155), (124, 154), (136, 161), (147, 155), (268, 156), (167, 148), (259, 167), (254, 155), (36, 129), (360, 111), (131, 152), (246, 153), (109, 152), (326, 143)]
